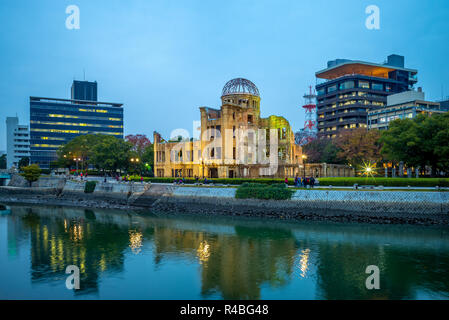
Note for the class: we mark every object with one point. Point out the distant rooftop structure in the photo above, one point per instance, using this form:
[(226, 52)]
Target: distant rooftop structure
[(341, 67), (406, 96), (84, 90)]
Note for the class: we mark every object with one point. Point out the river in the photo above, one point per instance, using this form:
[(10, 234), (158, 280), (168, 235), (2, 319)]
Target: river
[(143, 255)]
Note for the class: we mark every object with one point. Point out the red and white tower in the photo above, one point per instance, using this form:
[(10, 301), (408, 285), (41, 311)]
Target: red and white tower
[(309, 132)]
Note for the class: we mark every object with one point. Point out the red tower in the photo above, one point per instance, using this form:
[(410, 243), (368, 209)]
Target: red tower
[(310, 123)]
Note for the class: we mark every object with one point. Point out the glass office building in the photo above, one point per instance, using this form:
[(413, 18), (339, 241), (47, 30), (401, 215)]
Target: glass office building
[(54, 122)]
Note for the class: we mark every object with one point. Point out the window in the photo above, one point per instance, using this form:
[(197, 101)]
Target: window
[(378, 86), (250, 119), (321, 91), (346, 85), (332, 88), (364, 84)]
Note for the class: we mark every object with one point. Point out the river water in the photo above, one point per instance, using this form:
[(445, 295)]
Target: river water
[(142, 255)]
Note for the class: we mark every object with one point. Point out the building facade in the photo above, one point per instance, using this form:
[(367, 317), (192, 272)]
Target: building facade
[(17, 142), (352, 88), (405, 105), (235, 141), (84, 90), (54, 122)]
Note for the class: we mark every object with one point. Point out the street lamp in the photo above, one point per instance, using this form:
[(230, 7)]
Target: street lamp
[(76, 159), (135, 161), (304, 158)]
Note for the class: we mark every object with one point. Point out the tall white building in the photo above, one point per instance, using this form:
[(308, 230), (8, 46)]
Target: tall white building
[(17, 142)]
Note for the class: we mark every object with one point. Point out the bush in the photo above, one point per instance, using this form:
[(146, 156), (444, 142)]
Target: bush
[(31, 173), (89, 187), (263, 191), (386, 182)]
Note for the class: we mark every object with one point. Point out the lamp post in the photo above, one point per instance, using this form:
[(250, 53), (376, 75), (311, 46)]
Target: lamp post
[(77, 159), (304, 158), (135, 161)]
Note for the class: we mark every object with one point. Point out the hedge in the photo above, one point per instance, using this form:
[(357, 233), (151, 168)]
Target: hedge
[(341, 181), (89, 187), (263, 191), (386, 182)]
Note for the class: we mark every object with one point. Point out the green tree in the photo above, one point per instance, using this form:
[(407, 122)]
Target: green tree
[(31, 173), (422, 141), (3, 161), (148, 160), (23, 162), (80, 147), (111, 153)]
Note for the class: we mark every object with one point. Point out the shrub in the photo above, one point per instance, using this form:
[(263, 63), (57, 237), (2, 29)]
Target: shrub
[(31, 173), (263, 191), (89, 187)]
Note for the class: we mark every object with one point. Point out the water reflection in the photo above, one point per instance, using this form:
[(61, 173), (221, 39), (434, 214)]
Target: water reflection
[(236, 259)]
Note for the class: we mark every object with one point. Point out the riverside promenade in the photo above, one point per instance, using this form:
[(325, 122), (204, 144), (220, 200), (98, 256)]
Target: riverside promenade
[(363, 205)]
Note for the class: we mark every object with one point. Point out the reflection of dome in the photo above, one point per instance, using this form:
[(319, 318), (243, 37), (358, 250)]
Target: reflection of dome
[(239, 86)]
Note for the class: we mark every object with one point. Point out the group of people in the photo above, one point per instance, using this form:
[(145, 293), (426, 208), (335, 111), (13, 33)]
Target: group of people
[(304, 182)]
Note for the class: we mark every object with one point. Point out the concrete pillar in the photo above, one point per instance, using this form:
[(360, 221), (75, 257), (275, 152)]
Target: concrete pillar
[(409, 172), (401, 169), (417, 172), (386, 172), (393, 172)]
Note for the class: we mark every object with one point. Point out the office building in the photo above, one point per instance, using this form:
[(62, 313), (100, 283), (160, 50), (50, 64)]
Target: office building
[(405, 105), (17, 142), (54, 122), (352, 88)]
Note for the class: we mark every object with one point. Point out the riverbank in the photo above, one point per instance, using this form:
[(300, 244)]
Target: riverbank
[(390, 207)]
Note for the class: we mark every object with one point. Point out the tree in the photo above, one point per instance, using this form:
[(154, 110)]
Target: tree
[(31, 173), (23, 162), (80, 147), (358, 146), (142, 148), (139, 143), (148, 160), (422, 141), (111, 153), (322, 150), (3, 161)]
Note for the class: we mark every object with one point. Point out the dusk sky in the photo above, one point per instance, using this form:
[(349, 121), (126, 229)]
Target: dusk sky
[(164, 59)]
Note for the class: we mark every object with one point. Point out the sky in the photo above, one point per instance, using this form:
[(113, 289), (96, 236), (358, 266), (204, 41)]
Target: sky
[(165, 59)]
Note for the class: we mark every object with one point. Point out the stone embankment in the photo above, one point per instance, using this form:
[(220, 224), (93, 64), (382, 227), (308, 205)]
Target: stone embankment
[(417, 207)]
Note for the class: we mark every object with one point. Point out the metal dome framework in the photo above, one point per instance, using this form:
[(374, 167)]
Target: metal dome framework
[(240, 86)]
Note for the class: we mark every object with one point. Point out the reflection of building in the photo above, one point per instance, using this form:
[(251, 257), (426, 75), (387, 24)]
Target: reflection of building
[(405, 105), (235, 141), (17, 142), (54, 122), (352, 88)]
